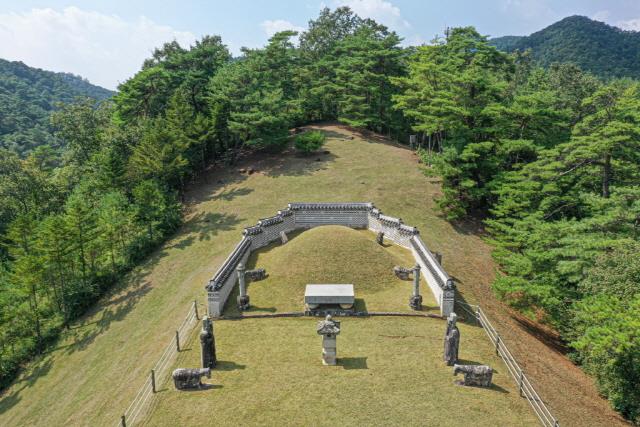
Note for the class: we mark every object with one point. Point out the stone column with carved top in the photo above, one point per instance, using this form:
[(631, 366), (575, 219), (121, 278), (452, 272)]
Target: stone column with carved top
[(415, 302), (329, 329), (243, 298)]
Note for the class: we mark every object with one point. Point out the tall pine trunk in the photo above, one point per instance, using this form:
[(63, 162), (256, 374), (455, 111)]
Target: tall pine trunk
[(606, 176)]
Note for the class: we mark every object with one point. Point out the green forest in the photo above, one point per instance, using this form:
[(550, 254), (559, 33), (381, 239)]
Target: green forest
[(27, 98), (606, 51), (547, 157)]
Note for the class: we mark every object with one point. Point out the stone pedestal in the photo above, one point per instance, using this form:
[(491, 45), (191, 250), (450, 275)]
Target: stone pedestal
[(329, 329), (415, 302), (329, 351), (243, 302)]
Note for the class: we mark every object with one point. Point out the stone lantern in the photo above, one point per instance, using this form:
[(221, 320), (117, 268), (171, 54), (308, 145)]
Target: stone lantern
[(329, 329)]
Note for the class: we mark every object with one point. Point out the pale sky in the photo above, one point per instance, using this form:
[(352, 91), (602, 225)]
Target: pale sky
[(106, 41)]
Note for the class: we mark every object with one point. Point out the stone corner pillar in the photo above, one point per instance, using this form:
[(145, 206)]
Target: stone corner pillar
[(415, 302), (448, 298), (214, 307), (243, 298)]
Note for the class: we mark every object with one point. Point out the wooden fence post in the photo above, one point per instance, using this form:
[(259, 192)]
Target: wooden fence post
[(521, 381), (153, 380), (195, 307), (497, 344), (123, 422), (177, 341)]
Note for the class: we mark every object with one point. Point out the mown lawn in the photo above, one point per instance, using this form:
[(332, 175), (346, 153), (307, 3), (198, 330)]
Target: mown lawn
[(390, 370)]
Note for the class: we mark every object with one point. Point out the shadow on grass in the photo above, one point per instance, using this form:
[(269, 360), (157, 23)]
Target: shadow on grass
[(360, 305), (203, 387), (543, 334), (290, 164), (229, 195), (496, 387), (204, 226), (353, 362), (9, 400), (114, 309), (222, 176), (464, 312), (259, 309), (467, 362), (226, 365)]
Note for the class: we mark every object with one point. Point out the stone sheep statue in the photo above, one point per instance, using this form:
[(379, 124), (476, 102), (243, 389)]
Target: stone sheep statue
[(185, 378), (402, 273), (475, 375), (257, 274)]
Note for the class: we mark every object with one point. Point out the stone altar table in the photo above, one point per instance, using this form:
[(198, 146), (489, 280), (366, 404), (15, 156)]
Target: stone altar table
[(320, 294)]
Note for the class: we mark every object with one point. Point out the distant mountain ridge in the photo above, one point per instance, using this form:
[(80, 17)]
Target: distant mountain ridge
[(27, 97), (602, 49)]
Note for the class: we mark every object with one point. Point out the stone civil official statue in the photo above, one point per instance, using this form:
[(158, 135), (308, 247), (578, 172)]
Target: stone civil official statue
[(208, 344), (451, 341)]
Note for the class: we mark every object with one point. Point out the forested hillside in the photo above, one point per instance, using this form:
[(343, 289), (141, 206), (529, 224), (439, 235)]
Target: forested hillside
[(27, 98), (551, 159), (548, 157), (601, 49)]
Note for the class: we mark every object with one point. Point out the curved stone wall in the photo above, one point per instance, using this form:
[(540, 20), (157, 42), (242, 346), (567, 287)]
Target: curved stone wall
[(308, 215)]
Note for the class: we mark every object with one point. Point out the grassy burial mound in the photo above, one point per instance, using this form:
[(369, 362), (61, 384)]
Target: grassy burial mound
[(331, 254), (94, 372)]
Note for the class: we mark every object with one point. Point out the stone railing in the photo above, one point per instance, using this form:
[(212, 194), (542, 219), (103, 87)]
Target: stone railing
[(308, 215), (442, 287)]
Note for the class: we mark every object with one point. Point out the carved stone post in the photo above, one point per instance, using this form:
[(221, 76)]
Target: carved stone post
[(243, 298), (448, 298), (329, 329), (415, 302), (451, 341), (207, 344)]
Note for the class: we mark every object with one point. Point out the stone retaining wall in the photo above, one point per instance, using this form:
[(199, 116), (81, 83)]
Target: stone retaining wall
[(309, 215)]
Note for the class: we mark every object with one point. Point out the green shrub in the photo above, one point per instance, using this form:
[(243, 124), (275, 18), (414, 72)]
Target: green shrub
[(310, 141)]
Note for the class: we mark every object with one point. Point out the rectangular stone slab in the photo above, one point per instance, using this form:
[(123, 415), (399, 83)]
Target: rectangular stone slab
[(329, 294)]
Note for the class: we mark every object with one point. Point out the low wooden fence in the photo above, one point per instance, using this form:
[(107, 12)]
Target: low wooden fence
[(160, 372), (524, 385)]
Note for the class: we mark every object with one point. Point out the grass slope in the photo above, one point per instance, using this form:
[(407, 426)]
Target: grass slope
[(93, 374)]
